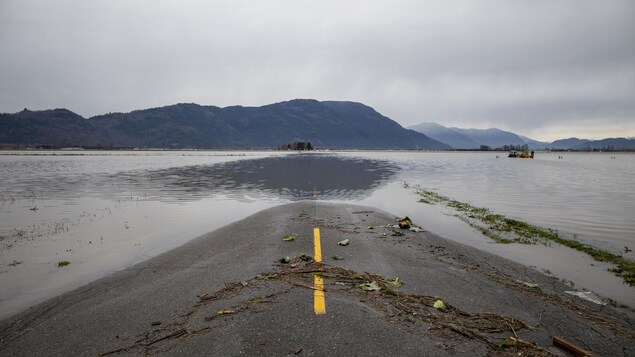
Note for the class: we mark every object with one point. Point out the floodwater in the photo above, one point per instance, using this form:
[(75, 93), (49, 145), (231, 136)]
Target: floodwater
[(104, 211)]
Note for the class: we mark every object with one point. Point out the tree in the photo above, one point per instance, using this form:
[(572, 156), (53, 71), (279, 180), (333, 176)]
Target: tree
[(297, 145)]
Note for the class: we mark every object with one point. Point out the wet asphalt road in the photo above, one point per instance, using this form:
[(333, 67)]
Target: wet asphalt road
[(226, 294)]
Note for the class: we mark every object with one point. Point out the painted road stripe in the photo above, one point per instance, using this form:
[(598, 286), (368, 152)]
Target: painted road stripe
[(319, 305)]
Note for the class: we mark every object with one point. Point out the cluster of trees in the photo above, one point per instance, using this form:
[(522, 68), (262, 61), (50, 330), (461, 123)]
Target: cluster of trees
[(606, 148), (589, 148), (297, 145), (523, 147)]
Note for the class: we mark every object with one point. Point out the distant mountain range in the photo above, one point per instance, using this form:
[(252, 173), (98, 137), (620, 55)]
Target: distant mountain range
[(326, 125), (472, 139), (330, 124), (584, 144)]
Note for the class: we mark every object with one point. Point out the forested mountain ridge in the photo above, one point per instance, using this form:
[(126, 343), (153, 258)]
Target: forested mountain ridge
[(335, 125)]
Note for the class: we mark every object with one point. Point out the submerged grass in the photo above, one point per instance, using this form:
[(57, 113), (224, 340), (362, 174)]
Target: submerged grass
[(63, 263), (507, 230)]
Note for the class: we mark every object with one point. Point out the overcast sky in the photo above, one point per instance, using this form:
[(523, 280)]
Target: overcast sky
[(546, 69)]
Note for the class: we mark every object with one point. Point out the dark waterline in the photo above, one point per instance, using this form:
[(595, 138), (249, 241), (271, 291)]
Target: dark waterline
[(294, 178)]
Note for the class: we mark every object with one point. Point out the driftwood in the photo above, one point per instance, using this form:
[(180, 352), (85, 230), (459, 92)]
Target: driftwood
[(308, 287), (570, 347)]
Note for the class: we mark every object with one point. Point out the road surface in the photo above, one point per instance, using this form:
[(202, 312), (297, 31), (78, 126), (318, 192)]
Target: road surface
[(227, 293)]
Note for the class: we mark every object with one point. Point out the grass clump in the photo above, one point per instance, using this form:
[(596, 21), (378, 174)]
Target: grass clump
[(63, 263)]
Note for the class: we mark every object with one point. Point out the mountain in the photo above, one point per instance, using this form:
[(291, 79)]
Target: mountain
[(449, 136), (337, 125), (495, 138), (460, 138), (492, 137), (566, 144), (534, 144), (66, 127), (609, 144)]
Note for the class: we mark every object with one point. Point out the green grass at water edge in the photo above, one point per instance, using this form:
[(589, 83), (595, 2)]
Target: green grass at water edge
[(625, 268), (497, 224), (487, 232), (432, 196)]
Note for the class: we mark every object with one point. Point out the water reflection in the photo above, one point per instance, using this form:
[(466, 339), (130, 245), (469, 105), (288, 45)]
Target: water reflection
[(294, 177)]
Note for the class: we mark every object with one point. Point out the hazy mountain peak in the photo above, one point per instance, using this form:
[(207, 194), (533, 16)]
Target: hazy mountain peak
[(450, 136), (495, 138)]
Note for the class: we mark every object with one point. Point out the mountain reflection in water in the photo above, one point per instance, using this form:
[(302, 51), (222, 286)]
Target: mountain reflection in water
[(293, 177)]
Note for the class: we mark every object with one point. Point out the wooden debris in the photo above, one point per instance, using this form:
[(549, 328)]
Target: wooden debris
[(307, 286), (521, 342), (220, 313), (175, 334), (570, 347)]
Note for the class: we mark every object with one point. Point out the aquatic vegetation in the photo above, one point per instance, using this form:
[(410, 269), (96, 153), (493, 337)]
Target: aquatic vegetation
[(495, 226), (625, 268), (430, 196), (396, 282), (289, 237), (507, 230), (369, 286)]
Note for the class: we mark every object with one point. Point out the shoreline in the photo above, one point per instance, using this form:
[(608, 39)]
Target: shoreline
[(125, 304)]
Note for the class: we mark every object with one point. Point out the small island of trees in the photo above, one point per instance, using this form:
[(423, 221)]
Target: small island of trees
[(297, 145)]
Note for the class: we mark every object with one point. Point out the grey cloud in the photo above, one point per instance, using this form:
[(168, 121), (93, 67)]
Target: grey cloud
[(474, 63)]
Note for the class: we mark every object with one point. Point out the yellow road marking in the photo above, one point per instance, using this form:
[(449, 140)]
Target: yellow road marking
[(319, 305), (317, 255)]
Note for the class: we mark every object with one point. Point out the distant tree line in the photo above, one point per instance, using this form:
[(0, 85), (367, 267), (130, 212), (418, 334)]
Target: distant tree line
[(588, 148), (297, 145), (523, 147)]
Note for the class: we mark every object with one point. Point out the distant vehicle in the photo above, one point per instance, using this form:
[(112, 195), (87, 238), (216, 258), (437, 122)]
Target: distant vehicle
[(523, 154)]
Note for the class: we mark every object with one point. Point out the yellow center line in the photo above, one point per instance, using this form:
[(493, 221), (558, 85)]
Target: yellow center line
[(319, 305)]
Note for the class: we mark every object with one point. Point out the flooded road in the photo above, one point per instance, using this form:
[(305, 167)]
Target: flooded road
[(104, 211)]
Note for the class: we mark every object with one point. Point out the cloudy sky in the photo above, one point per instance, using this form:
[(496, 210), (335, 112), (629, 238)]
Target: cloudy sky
[(546, 69)]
